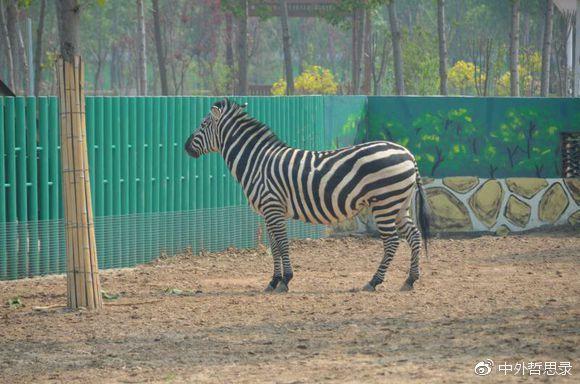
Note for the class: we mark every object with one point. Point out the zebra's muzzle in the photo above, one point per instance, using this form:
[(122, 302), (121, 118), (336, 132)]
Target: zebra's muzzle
[(189, 148)]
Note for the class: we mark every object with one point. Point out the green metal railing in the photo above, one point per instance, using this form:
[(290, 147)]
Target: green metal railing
[(149, 198)]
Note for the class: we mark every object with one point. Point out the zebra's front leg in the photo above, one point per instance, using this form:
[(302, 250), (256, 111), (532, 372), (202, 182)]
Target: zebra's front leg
[(276, 226), (277, 277)]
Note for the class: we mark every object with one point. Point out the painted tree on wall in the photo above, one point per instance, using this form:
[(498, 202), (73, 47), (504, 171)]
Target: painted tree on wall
[(446, 137), (529, 139)]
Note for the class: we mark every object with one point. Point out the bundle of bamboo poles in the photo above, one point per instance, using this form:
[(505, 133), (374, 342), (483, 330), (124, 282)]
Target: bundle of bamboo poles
[(83, 284)]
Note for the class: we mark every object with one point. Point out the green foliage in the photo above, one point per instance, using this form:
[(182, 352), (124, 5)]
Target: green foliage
[(194, 43), (340, 15), (421, 76)]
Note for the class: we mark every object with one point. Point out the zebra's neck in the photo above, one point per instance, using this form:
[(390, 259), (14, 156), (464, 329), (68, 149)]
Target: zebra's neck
[(245, 145)]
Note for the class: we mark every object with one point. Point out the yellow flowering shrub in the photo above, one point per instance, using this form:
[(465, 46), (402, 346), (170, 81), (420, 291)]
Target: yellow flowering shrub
[(462, 77), (315, 80), (529, 71)]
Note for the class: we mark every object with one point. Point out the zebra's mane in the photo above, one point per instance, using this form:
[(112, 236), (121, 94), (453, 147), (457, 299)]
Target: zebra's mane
[(244, 117)]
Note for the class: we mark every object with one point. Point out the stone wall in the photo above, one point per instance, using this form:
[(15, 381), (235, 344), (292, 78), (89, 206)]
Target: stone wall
[(472, 204)]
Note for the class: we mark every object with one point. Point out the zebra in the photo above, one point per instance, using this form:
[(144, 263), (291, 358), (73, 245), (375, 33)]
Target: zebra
[(322, 187)]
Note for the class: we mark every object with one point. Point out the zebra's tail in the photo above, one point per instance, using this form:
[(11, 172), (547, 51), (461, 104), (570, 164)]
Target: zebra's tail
[(421, 214)]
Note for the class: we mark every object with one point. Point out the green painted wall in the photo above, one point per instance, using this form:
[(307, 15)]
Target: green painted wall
[(485, 137), (345, 119)]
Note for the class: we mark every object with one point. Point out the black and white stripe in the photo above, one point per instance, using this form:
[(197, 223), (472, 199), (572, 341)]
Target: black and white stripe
[(325, 187)]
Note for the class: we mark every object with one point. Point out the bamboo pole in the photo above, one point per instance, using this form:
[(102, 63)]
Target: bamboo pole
[(83, 284)]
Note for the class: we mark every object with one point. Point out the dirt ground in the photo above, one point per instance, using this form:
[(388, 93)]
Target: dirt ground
[(511, 299)]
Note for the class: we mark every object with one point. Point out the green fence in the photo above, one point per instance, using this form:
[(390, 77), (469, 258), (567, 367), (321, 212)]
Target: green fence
[(152, 199), (149, 198)]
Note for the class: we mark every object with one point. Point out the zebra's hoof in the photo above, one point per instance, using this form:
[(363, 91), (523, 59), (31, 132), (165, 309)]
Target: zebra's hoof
[(368, 288), (407, 287), (281, 288), (269, 288)]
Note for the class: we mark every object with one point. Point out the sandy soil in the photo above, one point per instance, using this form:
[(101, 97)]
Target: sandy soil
[(507, 299)]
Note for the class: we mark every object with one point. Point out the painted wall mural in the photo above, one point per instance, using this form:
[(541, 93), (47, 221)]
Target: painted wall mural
[(485, 137), (472, 204), (508, 146)]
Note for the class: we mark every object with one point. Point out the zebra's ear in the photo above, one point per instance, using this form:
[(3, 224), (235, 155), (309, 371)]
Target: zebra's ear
[(216, 112), (243, 106)]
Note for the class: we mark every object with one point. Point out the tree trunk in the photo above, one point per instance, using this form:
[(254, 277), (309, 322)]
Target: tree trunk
[(525, 41), (354, 54), (377, 75), (576, 61), (97, 81), (442, 47), (142, 49), (487, 46), (366, 56), (359, 47), (243, 50), (229, 45), (38, 53), (8, 47), (11, 22), (23, 60), (515, 49), (286, 46), (159, 47), (397, 53), (113, 69), (547, 48), (69, 14)]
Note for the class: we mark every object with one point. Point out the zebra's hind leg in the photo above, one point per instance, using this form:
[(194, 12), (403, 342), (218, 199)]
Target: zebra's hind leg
[(409, 231), (277, 277), (276, 226), (390, 245)]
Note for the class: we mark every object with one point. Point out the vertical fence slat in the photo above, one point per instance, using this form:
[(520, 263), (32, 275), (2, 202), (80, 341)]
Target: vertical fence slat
[(139, 145), (90, 106), (11, 192), (99, 158), (178, 168), (147, 176), (43, 185), (171, 181), (3, 202), (163, 183), (32, 184), (107, 243), (132, 238), (21, 187), (116, 183), (192, 171), (123, 150), (155, 179), (56, 254)]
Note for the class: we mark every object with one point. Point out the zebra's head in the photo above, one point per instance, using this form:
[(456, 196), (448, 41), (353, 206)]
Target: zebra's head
[(207, 137)]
